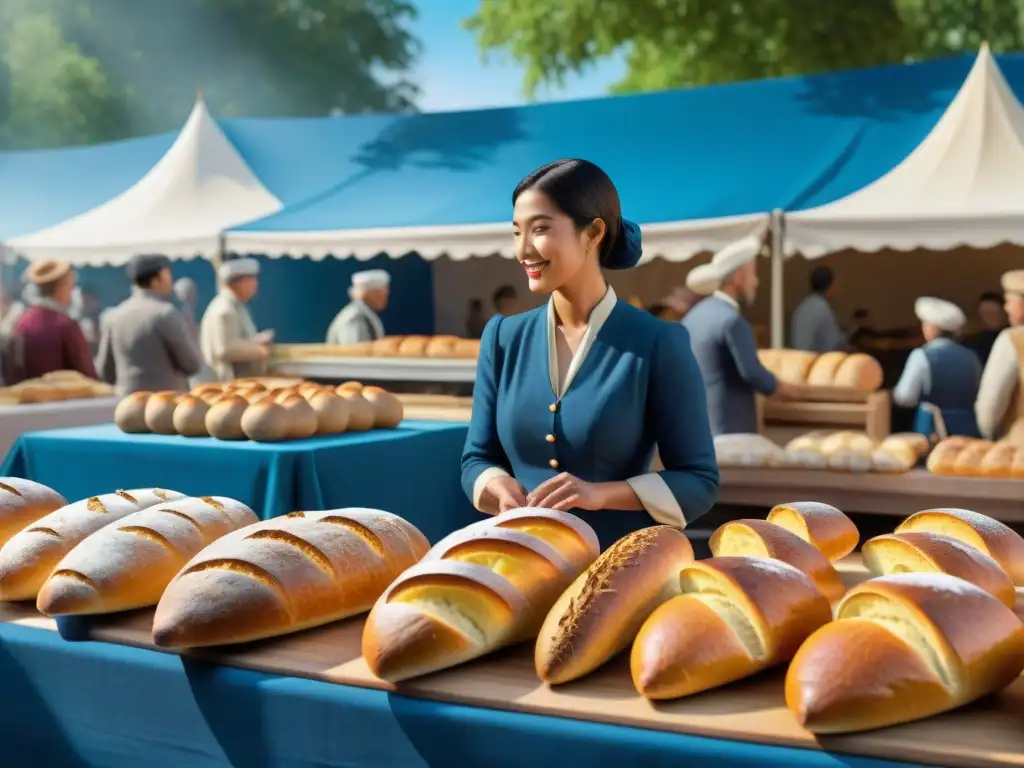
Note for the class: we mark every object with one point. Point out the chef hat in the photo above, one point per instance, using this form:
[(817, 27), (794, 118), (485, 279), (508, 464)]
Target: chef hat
[(942, 314), (371, 280), (707, 278), (236, 268), (1013, 282)]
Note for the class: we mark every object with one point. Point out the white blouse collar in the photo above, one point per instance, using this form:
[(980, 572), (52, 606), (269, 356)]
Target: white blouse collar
[(598, 316)]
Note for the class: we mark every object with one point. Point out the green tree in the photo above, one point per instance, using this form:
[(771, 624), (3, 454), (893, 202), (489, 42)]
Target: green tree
[(673, 43)]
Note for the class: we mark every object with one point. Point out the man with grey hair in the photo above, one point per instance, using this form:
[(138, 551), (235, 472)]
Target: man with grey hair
[(230, 343), (360, 319)]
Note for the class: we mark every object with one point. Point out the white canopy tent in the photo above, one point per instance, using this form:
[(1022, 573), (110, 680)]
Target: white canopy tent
[(962, 186), (200, 188)]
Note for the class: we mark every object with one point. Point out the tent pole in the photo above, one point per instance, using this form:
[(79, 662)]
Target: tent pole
[(778, 320), (218, 258)]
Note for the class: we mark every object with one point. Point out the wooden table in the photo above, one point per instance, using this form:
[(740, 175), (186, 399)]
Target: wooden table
[(785, 419)]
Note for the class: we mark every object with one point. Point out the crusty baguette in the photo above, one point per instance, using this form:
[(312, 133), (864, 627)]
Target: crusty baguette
[(130, 413), (284, 575), (736, 616), (31, 555), (759, 538), (920, 552), (822, 525), (998, 541), (22, 502), (482, 588), (127, 565), (902, 648), (603, 609)]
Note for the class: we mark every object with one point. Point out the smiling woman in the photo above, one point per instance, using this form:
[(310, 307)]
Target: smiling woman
[(571, 398)]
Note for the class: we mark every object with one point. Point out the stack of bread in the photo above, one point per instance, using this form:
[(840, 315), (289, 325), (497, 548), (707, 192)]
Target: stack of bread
[(251, 409), (967, 457), (433, 347), (54, 387), (832, 370), (848, 451)]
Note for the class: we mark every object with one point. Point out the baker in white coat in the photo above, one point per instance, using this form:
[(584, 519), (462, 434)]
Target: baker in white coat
[(360, 319), (228, 338)]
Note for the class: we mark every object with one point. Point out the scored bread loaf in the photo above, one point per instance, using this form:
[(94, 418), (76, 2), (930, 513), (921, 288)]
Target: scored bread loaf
[(998, 541), (480, 589), (847, 451), (159, 413), (825, 527), (747, 450), (790, 365), (899, 453), (735, 616), (127, 565), (29, 557), (759, 538), (190, 417), (130, 413), (283, 575), (920, 552), (224, 419), (859, 371), (387, 409), (967, 457), (22, 502), (823, 370), (831, 369), (904, 647), (805, 451), (601, 612)]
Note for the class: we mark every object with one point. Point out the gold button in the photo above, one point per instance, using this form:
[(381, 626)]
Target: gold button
[(553, 407), (553, 463), (550, 438)]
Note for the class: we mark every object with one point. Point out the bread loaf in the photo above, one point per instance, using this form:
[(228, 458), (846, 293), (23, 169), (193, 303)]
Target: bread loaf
[(831, 369), (30, 556), (859, 371), (361, 413), (601, 612), (387, 409), (794, 365), (265, 422), (735, 616), (159, 413), (902, 648), (897, 454), (299, 416), (127, 565), (825, 527), (478, 590), (466, 349), (190, 417), (759, 538), (932, 553), (22, 502), (441, 346), (413, 346), (350, 386), (284, 575), (823, 370), (747, 450), (386, 347), (331, 410), (998, 461), (998, 541), (805, 451), (224, 419), (848, 451), (130, 413)]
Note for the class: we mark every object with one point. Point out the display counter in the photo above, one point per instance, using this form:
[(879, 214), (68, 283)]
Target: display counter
[(378, 369), (16, 420)]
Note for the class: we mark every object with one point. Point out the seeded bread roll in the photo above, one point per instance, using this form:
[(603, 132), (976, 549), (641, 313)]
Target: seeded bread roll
[(159, 413), (224, 419), (825, 527), (190, 417), (130, 413), (387, 409), (22, 502)]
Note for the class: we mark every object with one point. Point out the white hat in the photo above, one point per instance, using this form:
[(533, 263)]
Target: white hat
[(236, 268), (707, 278), (942, 314), (371, 279)]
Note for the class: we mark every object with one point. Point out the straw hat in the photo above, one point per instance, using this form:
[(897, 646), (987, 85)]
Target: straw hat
[(47, 272)]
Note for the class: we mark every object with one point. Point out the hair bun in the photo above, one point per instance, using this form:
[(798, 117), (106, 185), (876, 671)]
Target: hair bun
[(627, 248)]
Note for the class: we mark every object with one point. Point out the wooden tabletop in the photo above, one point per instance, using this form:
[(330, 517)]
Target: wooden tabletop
[(987, 733)]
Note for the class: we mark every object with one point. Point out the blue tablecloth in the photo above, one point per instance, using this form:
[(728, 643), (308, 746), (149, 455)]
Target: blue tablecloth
[(412, 471), (85, 705)]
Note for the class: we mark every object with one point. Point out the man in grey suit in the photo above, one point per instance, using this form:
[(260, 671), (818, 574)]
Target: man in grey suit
[(723, 341), (359, 320), (145, 343)]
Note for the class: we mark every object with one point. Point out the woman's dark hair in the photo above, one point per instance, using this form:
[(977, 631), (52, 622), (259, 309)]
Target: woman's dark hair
[(821, 279), (583, 192)]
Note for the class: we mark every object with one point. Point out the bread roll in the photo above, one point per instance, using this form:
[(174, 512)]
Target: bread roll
[(29, 557), (825, 527), (998, 541), (386, 347), (848, 451), (794, 365), (265, 422), (918, 442), (805, 451), (478, 590), (466, 349), (894, 456), (331, 411), (413, 346), (190, 417), (823, 371), (387, 409), (127, 565), (601, 612), (361, 413), (759, 538), (441, 346), (747, 450), (300, 417), (224, 419), (22, 502), (902, 648), (968, 463), (284, 575), (159, 413), (859, 371), (353, 386), (931, 553), (130, 413), (206, 389), (359, 349), (735, 617)]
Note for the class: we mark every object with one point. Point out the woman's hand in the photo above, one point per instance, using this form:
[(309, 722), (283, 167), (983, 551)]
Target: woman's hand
[(564, 492), (506, 493)]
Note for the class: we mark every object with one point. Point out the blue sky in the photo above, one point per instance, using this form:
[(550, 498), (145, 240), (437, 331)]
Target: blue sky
[(452, 75)]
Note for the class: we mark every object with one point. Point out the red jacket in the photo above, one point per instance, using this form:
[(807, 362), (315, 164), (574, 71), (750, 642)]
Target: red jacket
[(45, 340)]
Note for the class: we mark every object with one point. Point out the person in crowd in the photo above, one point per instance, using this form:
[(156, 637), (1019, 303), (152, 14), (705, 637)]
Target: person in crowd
[(187, 294), (814, 325), (45, 338), (228, 338), (1000, 405), (723, 341), (475, 320), (506, 300), (993, 322), (862, 332), (572, 397), (941, 377), (360, 319), (147, 344)]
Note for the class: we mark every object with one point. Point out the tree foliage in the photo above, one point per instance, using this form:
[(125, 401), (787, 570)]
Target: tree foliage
[(673, 43), (78, 71)]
